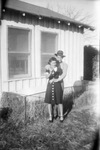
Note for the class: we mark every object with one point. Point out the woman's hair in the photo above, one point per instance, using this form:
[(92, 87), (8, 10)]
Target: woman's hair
[(52, 59)]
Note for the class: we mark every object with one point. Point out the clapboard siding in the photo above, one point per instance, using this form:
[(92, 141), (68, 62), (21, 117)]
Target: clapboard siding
[(18, 85)]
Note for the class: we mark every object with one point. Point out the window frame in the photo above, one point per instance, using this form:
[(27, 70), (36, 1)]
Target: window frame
[(51, 31), (52, 53), (4, 49)]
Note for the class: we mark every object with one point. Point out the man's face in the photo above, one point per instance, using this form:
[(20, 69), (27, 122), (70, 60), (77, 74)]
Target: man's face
[(59, 58)]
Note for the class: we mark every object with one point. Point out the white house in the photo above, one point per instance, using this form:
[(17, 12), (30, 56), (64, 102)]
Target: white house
[(29, 36)]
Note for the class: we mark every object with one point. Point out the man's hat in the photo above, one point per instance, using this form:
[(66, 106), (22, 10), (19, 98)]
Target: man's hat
[(60, 53)]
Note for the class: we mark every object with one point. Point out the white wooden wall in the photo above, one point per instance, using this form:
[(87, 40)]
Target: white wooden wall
[(70, 40), (0, 65)]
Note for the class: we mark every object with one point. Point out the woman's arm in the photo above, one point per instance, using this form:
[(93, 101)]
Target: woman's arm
[(49, 74), (61, 77), (48, 77), (47, 71)]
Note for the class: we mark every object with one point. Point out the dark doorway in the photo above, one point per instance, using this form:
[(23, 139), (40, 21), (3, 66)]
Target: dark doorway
[(89, 54)]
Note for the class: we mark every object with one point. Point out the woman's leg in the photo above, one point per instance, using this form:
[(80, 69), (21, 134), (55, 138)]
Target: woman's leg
[(61, 111), (56, 111), (50, 111)]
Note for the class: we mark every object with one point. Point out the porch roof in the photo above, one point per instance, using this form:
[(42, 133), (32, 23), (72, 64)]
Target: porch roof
[(43, 12)]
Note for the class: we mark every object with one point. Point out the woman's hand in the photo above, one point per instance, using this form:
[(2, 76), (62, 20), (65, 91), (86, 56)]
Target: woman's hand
[(47, 74), (51, 81), (55, 80)]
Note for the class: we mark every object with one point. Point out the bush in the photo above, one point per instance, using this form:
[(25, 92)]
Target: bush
[(95, 67), (16, 103)]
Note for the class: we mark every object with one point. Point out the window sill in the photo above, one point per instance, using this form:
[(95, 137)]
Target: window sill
[(24, 78)]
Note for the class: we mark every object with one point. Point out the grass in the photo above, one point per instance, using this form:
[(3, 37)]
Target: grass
[(76, 132)]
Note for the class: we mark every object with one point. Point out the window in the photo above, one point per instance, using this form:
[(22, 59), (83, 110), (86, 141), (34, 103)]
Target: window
[(18, 52), (48, 47)]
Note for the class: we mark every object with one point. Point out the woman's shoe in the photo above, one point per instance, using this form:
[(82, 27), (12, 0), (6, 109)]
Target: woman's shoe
[(50, 119), (61, 119)]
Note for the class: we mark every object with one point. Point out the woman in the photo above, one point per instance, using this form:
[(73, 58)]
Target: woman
[(54, 92)]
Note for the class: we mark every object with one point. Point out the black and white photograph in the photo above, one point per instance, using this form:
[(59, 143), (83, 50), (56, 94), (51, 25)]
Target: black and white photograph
[(49, 75)]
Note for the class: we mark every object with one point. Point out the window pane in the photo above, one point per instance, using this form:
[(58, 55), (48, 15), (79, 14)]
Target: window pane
[(18, 40), (18, 64), (45, 59), (18, 52), (48, 48), (48, 42)]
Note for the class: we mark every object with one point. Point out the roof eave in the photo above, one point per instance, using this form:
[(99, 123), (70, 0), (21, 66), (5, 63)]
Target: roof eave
[(68, 20)]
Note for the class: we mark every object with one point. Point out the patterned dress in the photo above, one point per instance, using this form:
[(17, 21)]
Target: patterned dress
[(54, 92)]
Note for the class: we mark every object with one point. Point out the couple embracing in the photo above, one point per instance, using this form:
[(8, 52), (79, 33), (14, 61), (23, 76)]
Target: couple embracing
[(56, 71)]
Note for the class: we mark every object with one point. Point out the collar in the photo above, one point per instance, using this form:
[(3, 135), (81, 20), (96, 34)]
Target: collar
[(55, 69)]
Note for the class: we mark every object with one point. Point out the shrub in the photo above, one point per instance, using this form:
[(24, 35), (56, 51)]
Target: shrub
[(16, 103)]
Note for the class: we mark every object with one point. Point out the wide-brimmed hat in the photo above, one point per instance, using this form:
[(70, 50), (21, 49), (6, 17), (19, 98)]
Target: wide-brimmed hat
[(60, 53)]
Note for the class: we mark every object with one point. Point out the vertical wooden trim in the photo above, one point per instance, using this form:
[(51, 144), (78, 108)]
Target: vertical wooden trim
[(81, 53), (76, 53), (37, 51), (71, 55), (68, 56), (62, 40), (16, 85), (0, 48), (33, 52), (4, 51), (78, 48)]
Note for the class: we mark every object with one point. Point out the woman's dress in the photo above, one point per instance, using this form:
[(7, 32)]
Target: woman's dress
[(54, 92)]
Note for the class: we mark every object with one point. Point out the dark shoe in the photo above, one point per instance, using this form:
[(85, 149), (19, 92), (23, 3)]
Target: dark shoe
[(55, 117), (50, 119)]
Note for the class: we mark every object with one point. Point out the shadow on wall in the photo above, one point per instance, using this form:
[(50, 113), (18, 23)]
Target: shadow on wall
[(69, 99)]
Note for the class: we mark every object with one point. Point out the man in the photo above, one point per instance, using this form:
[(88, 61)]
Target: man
[(59, 56)]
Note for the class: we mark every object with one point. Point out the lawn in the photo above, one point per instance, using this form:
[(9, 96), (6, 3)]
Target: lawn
[(77, 132)]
